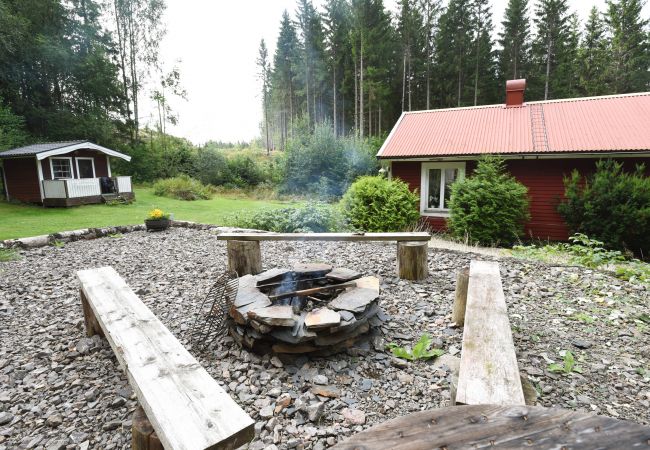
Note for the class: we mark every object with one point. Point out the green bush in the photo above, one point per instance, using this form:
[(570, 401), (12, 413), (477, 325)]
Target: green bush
[(490, 207), (314, 217), (610, 205), (376, 204), (182, 188), (321, 164), (211, 167)]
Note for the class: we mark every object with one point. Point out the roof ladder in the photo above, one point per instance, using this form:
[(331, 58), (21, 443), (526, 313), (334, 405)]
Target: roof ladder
[(538, 128)]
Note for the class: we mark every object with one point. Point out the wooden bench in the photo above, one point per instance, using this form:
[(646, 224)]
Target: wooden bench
[(244, 255), (186, 406), (488, 374)]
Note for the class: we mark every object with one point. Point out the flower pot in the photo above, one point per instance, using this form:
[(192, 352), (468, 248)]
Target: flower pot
[(157, 224)]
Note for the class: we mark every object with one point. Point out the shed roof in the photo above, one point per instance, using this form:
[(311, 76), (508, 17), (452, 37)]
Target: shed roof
[(616, 123), (45, 149)]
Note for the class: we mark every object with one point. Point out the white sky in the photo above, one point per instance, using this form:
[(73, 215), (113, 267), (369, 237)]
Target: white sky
[(217, 44)]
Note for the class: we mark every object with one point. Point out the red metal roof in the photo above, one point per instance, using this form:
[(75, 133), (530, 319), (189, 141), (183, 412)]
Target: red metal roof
[(617, 123)]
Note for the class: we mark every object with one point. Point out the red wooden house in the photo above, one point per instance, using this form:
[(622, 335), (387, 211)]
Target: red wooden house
[(542, 142), (62, 174)]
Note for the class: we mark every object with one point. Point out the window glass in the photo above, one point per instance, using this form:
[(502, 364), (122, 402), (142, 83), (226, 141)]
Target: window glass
[(450, 176), (434, 188), (61, 168)]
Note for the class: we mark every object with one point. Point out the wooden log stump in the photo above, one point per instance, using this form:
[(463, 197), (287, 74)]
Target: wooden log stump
[(143, 436), (460, 301), (244, 257), (412, 260), (92, 325)]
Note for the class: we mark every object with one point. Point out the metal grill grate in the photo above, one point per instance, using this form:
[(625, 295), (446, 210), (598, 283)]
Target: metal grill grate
[(211, 317)]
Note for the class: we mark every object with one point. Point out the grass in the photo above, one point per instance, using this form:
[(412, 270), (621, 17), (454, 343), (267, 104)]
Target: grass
[(27, 220)]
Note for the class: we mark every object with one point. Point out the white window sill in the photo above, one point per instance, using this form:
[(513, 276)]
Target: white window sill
[(435, 213)]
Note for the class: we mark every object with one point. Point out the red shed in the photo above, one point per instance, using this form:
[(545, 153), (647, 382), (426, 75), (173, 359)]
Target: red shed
[(542, 142), (63, 174)]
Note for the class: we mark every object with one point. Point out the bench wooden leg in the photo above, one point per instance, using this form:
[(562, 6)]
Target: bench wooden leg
[(460, 301), (244, 257), (92, 325), (412, 260), (143, 436)]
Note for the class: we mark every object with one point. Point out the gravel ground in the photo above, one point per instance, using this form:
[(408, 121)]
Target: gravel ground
[(61, 390)]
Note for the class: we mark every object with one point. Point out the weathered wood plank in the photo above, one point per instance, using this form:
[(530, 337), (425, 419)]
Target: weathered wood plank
[(186, 406), (419, 236), (488, 373), (500, 427)]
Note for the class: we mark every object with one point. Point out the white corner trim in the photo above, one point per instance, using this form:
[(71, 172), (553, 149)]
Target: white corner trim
[(92, 160), (82, 146), (390, 135), (39, 169), (424, 185), (69, 158), (108, 165)]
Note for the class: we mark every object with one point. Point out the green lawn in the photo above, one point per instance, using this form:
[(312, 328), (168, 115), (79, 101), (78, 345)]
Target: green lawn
[(26, 220)]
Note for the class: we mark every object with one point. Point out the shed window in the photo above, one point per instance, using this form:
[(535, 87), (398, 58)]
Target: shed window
[(61, 168), (437, 179)]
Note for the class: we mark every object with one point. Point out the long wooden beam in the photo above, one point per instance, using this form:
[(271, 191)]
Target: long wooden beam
[(417, 236), (186, 406)]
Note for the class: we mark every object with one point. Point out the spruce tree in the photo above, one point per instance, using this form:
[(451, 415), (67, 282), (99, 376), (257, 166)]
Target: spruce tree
[(552, 20), (593, 57), (515, 42), (630, 46), (430, 13), (484, 71)]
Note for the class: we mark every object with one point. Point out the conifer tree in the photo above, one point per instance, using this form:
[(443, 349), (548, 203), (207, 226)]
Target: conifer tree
[(263, 74), (552, 20), (593, 57), (482, 53), (430, 12), (515, 42), (630, 46)]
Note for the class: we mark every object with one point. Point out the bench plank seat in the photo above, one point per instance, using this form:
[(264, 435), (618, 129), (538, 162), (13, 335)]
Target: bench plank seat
[(419, 236), (488, 372), (186, 406)]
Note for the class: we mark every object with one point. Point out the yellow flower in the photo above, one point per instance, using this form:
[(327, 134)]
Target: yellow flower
[(156, 214)]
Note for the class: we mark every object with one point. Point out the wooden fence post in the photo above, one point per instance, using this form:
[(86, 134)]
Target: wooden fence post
[(244, 257), (460, 301), (143, 436), (412, 260)]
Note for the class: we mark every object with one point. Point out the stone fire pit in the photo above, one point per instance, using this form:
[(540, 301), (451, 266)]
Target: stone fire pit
[(312, 308)]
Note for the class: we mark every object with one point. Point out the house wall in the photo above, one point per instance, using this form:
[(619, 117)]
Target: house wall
[(22, 179), (101, 167), (544, 179)]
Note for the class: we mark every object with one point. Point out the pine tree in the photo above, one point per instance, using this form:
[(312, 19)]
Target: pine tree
[(515, 42), (263, 74), (630, 46), (593, 57), (552, 19)]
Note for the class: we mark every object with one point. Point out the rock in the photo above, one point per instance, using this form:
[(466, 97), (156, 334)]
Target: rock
[(320, 379), (266, 412), (54, 420), (354, 416), (530, 394), (57, 445), (275, 361), (5, 418), (366, 384), (581, 343), (397, 362), (326, 391), (447, 362), (112, 425), (315, 411), (35, 241)]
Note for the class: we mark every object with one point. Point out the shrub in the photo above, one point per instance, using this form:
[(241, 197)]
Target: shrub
[(313, 217), (377, 204), (322, 164), (211, 167), (243, 171), (610, 205), (489, 207), (182, 188)]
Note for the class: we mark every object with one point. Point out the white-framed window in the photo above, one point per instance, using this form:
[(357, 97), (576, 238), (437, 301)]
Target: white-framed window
[(85, 167), (61, 167), (435, 191)]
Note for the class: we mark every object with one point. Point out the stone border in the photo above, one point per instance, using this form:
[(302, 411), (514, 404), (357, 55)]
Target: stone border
[(94, 233)]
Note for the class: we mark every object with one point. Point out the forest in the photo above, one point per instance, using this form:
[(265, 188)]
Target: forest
[(357, 66), (79, 69)]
